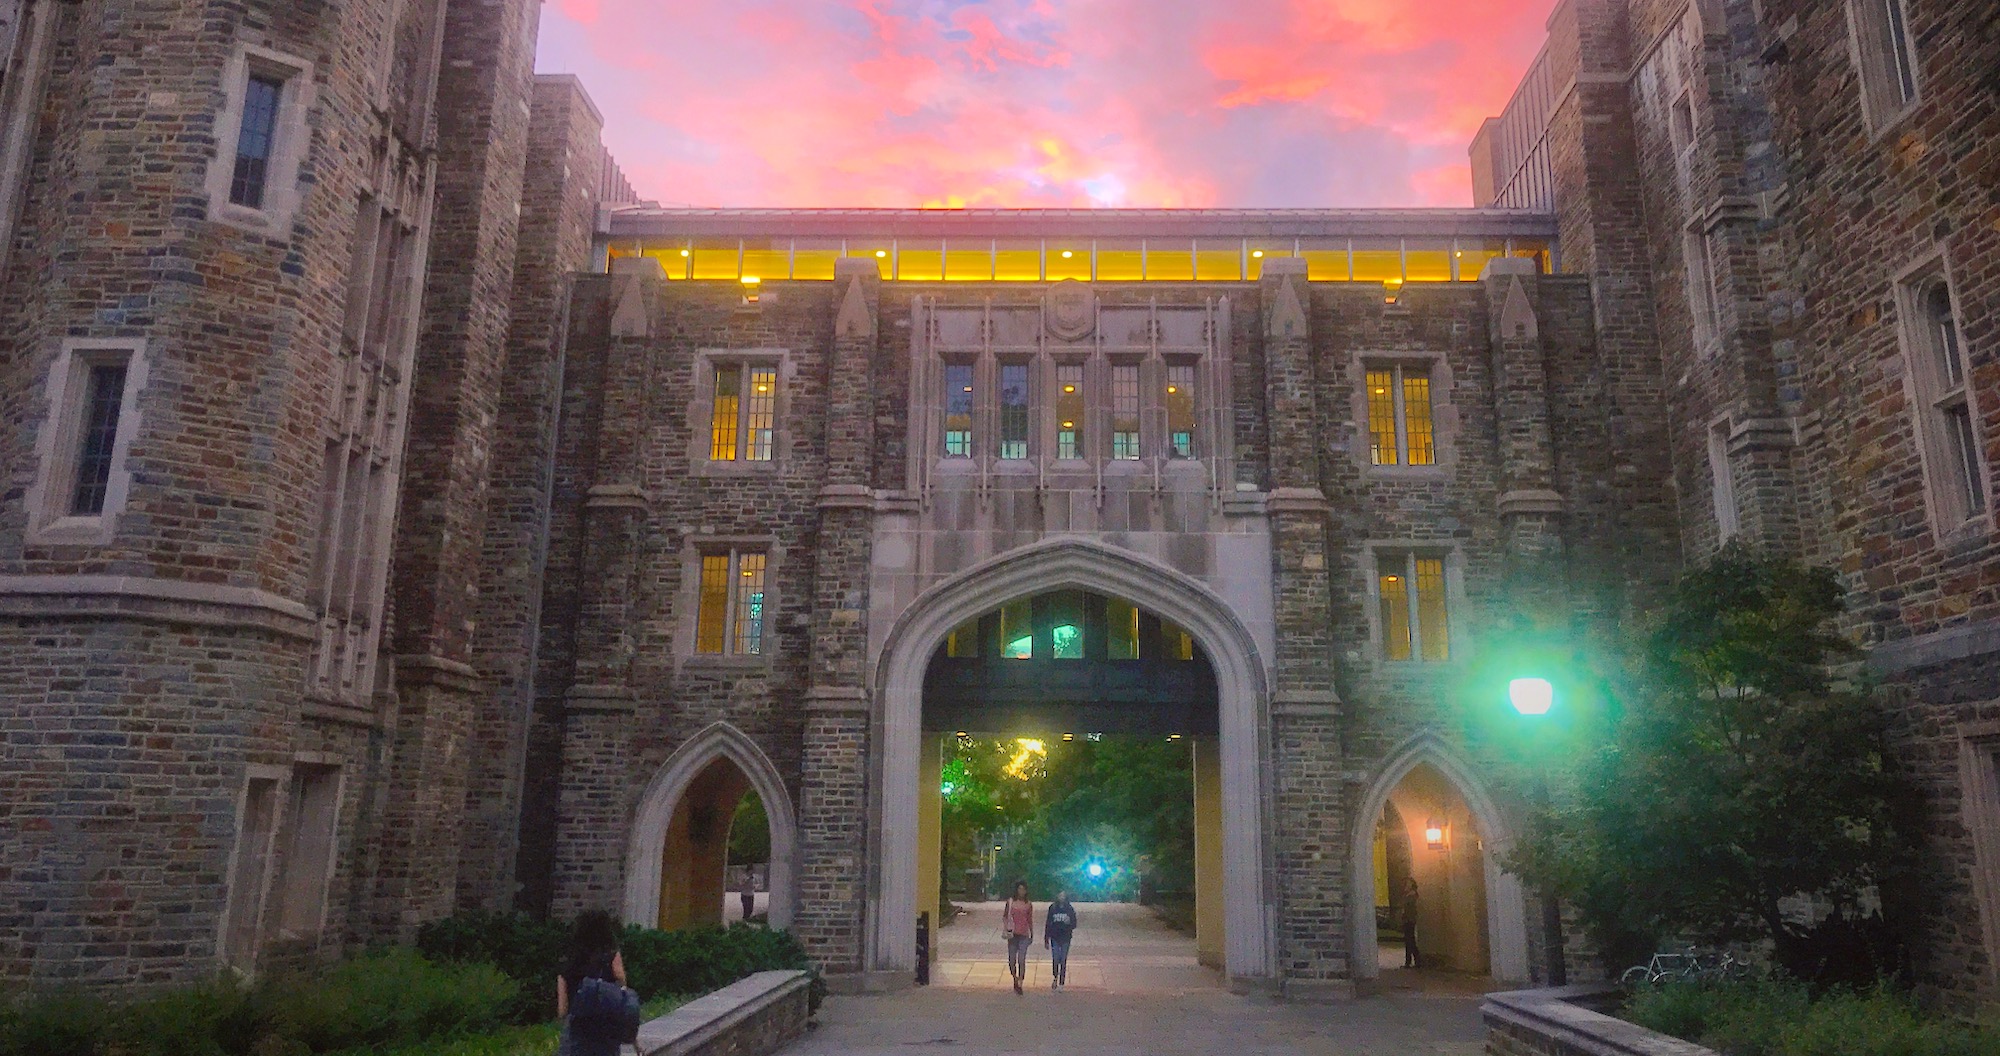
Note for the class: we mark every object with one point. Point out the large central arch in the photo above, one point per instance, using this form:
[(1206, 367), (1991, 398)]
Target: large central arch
[(1075, 563)]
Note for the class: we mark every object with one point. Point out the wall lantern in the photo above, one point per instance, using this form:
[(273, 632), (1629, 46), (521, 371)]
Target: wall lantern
[(1436, 834)]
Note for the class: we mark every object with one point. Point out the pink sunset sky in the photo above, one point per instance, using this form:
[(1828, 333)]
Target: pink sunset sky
[(1247, 103)]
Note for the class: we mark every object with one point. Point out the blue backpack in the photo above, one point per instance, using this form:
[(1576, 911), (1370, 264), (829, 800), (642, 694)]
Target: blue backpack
[(604, 1011)]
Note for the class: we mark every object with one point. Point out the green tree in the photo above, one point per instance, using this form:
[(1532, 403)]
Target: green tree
[(1723, 773), (749, 832)]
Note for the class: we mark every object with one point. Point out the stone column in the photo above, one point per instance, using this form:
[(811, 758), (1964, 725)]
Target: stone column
[(833, 797), (486, 66), (930, 832), (1208, 903), (1305, 707), (593, 817), (1530, 507)]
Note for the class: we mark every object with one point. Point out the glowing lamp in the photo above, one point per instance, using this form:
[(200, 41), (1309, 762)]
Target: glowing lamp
[(1067, 254), (684, 252), (1095, 869), (751, 280), (1434, 834), (1171, 389), (1257, 253), (1069, 736), (1069, 388), (881, 253), (1531, 696)]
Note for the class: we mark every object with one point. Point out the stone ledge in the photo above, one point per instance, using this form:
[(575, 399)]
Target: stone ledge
[(1553, 1022), (750, 1017), (1935, 649), (146, 598)]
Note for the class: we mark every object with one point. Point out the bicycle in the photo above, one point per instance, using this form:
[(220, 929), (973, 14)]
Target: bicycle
[(1687, 965)]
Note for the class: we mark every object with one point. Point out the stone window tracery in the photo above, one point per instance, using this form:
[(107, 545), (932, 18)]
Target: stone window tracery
[(1885, 55), (94, 389), (1412, 611), (1401, 427), (743, 409), (731, 608)]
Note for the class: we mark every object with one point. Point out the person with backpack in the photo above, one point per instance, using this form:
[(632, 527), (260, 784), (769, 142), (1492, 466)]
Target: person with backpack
[(599, 1014), (1056, 931), (1017, 926)]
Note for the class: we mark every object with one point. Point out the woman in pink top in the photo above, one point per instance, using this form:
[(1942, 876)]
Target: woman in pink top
[(1017, 923)]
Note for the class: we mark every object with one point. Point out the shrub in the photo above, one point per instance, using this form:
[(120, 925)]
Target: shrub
[(657, 963), (60, 1024), (1784, 1019), (390, 997)]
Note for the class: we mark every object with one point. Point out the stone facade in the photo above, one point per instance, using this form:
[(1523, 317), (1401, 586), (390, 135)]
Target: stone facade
[(221, 741), (1786, 191)]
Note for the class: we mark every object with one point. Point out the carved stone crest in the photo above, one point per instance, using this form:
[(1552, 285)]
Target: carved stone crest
[(1071, 312)]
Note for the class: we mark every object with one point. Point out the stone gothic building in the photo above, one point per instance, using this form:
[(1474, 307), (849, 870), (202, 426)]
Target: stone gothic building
[(398, 518)]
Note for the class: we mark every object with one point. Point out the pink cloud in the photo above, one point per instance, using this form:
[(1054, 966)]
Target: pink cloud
[(1043, 102)]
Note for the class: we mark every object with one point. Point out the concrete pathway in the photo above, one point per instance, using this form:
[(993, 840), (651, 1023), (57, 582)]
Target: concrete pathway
[(1135, 990)]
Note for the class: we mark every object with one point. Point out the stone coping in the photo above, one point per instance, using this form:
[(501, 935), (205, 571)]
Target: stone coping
[(706, 1018), (1557, 1021)]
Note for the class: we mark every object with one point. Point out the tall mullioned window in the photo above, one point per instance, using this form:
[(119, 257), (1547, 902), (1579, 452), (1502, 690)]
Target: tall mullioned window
[(1888, 58), (730, 607), (1948, 423), (958, 397), (1410, 591), (1014, 410), (1069, 411), (256, 140), (104, 395), (1400, 427), (743, 412), (1125, 412), (1179, 400)]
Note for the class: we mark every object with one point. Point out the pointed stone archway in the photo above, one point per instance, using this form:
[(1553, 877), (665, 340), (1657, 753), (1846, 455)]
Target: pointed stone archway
[(644, 866), (1077, 564), (1506, 901)]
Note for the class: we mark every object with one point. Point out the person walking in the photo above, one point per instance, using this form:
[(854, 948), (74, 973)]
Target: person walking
[(598, 1014), (1017, 924), (749, 891), (1412, 958), (1057, 929)]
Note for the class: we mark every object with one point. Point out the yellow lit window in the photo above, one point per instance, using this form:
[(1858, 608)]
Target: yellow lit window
[(919, 261), (1017, 630), (743, 413), (963, 641), (1017, 261), (1433, 630), (1400, 421), (1394, 587), (1326, 259), (883, 253), (1218, 261), (1471, 255), (1175, 642), (1069, 410), (714, 609), (1378, 260), (1169, 259), (673, 258), (1261, 251), (716, 259), (725, 413), (1120, 262), (1411, 597), (1068, 260), (1534, 249), (1125, 412), (731, 610), (968, 261), (1418, 436), (814, 258), (767, 259), (1121, 629), (1179, 401), (1427, 261)]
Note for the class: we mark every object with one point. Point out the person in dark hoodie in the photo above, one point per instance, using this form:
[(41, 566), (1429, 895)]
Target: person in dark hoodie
[(1057, 928)]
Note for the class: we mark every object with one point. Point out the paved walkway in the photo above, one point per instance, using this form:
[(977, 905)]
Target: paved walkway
[(1135, 990)]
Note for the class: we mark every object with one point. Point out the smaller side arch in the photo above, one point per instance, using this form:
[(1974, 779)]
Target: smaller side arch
[(663, 793), (1506, 901)]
